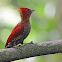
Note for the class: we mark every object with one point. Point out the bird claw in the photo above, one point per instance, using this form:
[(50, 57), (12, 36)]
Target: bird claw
[(15, 46), (18, 47), (31, 42), (22, 46)]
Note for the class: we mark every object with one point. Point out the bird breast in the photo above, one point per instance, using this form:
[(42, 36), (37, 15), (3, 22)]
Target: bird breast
[(26, 31)]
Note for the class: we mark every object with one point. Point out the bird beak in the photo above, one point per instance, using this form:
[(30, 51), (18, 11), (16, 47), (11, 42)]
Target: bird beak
[(32, 10)]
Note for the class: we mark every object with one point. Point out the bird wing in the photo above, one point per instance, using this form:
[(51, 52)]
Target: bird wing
[(16, 31)]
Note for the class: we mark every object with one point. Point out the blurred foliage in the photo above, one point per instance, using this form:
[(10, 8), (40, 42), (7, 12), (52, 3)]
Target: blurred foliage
[(44, 24)]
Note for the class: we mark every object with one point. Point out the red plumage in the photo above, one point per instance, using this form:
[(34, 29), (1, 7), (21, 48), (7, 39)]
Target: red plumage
[(17, 31), (21, 30)]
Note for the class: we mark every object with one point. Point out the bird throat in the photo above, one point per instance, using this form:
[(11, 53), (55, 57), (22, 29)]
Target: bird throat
[(25, 17)]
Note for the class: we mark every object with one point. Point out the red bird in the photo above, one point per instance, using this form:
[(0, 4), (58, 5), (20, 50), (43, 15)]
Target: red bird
[(21, 30)]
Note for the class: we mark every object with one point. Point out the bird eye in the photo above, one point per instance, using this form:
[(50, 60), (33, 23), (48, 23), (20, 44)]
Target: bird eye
[(29, 11)]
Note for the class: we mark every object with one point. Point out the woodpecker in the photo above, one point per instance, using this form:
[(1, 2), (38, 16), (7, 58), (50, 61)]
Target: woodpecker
[(21, 30)]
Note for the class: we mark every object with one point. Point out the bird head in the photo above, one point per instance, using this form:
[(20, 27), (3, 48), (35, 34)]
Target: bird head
[(25, 12)]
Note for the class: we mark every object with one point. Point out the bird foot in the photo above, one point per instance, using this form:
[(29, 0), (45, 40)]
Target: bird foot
[(15, 46), (29, 43), (18, 47)]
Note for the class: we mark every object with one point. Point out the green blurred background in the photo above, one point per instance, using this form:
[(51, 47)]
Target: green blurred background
[(46, 24)]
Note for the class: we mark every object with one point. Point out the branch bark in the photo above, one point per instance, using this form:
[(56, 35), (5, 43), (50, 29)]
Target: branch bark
[(30, 50)]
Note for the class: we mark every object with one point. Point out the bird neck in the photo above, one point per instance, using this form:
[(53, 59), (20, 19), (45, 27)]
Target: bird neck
[(25, 21), (24, 17)]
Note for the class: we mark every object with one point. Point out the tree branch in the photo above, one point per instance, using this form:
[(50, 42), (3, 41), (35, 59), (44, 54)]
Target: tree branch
[(30, 50)]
